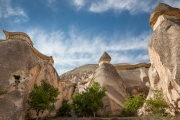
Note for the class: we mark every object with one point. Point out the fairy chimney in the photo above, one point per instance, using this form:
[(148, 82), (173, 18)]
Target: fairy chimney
[(105, 58)]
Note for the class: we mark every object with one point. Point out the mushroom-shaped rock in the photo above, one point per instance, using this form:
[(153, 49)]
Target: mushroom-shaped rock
[(164, 55), (105, 58), (162, 9)]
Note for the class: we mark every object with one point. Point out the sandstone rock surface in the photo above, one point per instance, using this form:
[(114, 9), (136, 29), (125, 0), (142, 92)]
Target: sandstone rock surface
[(133, 82), (116, 93), (135, 77), (79, 74), (163, 9), (164, 55), (22, 66)]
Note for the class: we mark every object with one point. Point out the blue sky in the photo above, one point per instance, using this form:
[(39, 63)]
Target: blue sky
[(77, 32)]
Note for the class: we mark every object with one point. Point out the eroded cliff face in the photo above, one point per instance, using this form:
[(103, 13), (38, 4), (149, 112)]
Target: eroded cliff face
[(22, 66), (164, 55)]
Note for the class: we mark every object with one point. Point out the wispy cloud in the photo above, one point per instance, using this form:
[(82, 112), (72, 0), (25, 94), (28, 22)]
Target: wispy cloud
[(76, 48), (79, 3), (133, 6), (15, 12), (51, 4)]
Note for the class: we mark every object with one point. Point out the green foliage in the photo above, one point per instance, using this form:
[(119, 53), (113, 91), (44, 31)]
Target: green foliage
[(90, 101), (132, 104), (157, 104), (65, 109), (43, 97)]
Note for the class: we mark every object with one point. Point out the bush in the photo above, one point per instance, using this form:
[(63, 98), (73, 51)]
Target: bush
[(90, 101), (157, 104), (65, 109), (132, 104), (43, 97)]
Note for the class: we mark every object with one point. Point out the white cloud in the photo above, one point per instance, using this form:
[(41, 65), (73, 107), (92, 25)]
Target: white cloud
[(51, 4), (98, 6), (76, 48), (7, 10), (133, 6), (79, 3)]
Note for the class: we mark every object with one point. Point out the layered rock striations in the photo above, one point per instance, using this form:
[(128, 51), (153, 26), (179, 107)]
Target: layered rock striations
[(163, 49), (22, 66)]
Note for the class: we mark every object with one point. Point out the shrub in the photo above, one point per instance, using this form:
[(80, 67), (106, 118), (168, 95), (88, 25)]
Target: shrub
[(157, 104), (43, 97), (65, 109), (89, 101), (132, 104)]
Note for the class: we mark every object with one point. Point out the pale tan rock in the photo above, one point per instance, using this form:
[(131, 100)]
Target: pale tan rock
[(116, 93), (135, 77), (163, 9), (105, 58), (106, 75), (79, 74), (121, 80), (22, 66), (164, 55)]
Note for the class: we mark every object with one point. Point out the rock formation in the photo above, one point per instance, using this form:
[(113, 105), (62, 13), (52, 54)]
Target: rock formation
[(135, 77), (121, 80), (22, 66), (79, 74), (163, 48), (107, 76)]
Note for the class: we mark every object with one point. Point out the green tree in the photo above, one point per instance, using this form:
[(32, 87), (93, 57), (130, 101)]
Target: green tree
[(65, 108), (157, 104), (89, 101), (132, 104), (43, 97)]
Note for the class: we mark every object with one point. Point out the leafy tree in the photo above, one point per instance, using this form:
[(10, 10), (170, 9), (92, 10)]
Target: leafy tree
[(43, 97), (157, 104), (132, 104), (65, 108), (89, 101)]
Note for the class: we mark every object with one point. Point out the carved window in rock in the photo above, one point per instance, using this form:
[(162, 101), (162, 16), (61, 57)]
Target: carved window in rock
[(17, 81)]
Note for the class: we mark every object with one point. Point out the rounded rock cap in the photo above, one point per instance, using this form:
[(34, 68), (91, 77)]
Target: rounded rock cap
[(163, 9), (104, 57)]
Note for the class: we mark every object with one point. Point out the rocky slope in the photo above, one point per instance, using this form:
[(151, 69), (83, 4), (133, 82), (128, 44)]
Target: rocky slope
[(22, 66), (163, 48)]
